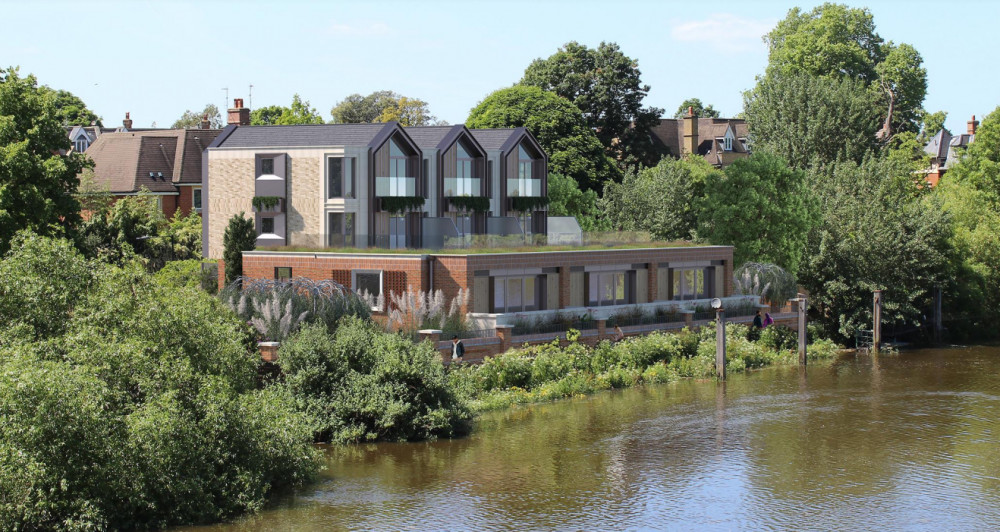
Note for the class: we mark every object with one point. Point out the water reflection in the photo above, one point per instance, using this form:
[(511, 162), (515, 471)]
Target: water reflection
[(894, 442)]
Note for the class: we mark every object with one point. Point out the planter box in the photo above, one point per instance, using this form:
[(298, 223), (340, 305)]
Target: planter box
[(268, 351)]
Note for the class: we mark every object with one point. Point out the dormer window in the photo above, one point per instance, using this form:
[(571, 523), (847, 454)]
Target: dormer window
[(81, 144), (727, 143)]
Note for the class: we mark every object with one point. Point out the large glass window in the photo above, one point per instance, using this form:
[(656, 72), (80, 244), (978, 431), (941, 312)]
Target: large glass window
[(397, 160), (341, 229), (691, 283), (397, 232), (610, 288), (524, 161), (340, 177), (515, 294), (463, 164)]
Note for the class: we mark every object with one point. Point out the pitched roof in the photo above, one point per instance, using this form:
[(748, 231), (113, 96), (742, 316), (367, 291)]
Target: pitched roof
[(937, 147), (492, 139), (668, 135), (428, 137), (302, 135), (123, 161)]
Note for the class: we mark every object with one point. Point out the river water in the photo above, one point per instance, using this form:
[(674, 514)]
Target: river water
[(902, 442)]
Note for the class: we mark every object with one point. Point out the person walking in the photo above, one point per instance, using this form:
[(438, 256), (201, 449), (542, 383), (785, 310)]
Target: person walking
[(457, 349)]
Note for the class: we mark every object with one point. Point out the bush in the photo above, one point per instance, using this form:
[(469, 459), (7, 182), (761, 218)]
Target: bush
[(364, 384), (139, 410), (181, 274), (779, 338)]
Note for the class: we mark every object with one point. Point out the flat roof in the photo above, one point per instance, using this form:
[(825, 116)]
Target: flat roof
[(398, 253)]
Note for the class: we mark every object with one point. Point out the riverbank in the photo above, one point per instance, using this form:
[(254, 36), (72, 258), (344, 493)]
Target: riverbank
[(550, 371)]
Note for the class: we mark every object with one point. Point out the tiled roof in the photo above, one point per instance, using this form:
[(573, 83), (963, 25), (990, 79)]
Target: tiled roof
[(123, 161), (428, 137), (492, 139), (302, 135), (668, 135)]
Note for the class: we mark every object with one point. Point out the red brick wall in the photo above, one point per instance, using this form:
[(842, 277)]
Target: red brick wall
[(185, 199)]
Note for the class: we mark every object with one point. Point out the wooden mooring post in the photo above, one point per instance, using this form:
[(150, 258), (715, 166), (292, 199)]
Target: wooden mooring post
[(802, 307), (720, 343), (877, 325), (938, 318)]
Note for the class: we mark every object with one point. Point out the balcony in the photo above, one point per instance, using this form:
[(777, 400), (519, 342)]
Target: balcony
[(461, 186), (524, 187), (388, 187)]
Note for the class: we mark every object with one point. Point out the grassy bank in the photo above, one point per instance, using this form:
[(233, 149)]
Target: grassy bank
[(549, 371)]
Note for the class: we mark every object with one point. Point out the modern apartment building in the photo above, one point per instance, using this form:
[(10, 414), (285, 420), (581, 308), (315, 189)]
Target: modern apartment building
[(372, 185)]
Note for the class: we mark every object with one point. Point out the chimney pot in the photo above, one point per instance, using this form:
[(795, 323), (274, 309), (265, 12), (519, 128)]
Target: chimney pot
[(128, 121), (238, 115), (690, 110), (972, 125)]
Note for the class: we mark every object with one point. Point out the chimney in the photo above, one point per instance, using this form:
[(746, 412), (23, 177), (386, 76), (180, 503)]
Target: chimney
[(690, 144), (239, 115), (972, 125), (205, 124), (127, 122)]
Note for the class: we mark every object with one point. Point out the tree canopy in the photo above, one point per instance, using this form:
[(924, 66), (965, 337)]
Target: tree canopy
[(69, 108), (698, 108), (761, 207), (566, 199), (192, 119), (266, 116), (382, 106), (559, 126), (299, 112), (37, 185), (606, 86)]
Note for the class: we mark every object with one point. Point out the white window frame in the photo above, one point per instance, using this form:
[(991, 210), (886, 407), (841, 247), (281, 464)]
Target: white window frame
[(381, 283)]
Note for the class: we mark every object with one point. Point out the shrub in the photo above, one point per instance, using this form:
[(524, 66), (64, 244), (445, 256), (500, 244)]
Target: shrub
[(239, 237), (181, 274), (779, 338), (364, 384)]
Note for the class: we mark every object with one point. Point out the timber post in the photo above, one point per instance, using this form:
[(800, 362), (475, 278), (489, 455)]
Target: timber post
[(802, 307), (877, 325), (720, 343), (938, 318)]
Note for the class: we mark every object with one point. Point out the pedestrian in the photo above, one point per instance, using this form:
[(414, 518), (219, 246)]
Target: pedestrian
[(619, 334), (768, 320), (457, 349), (757, 323)]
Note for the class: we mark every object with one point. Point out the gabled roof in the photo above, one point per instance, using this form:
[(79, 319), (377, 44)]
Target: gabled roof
[(937, 147), (493, 139), (668, 135), (123, 161), (302, 135), (442, 137)]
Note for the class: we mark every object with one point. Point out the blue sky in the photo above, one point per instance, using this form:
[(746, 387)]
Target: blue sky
[(157, 59)]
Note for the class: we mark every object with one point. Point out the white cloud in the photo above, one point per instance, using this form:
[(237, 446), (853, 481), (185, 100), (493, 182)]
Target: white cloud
[(359, 30), (723, 30)]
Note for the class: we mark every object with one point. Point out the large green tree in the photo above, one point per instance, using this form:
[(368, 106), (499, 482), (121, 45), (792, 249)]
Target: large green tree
[(696, 107), (266, 116), (572, 146), (812, 120), (566, 199), (382, 106), (761, 207), (299, 112), (660, 200), (606, 86), (239, 237), (69, 108), (37, 185), (192, 119)]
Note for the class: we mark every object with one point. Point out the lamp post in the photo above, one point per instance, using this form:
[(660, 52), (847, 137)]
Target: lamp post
[(720, 338)]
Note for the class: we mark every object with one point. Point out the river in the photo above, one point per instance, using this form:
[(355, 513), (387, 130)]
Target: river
[(900, 442)]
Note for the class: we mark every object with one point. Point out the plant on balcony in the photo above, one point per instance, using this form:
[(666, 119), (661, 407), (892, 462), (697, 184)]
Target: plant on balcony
[(470, 203), (528, 203), (398, 204), (263, 203)]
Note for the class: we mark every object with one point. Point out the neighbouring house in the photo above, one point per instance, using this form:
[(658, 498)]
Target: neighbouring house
[(719, 140), (81, 137), (945, 148), (165, 163), (373, 185)]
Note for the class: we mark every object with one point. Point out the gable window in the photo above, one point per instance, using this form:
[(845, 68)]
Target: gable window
[(340, 177), (81, 144), (267, 166), (267, 225), (397, 160), (196, 198), (341, 229), (283, 273), (368, 284), (516, 294)]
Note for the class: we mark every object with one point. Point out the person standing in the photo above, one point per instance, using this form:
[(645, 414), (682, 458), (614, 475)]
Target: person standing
[(457, 349), (757, 323)]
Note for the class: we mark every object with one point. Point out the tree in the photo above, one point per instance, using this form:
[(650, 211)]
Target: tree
[(239, 237), (761, 207), (837, 41), (266, 116), (566, 199), (70, 109), (408, 112), (931, 123), (299, 113), (192, 119), (811, 120), (37, 185), (605, 85), (660, 200), (573, 148), (697, 107), (979, 167)]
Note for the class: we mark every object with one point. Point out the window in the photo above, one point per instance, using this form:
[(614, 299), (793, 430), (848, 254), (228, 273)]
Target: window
[(516, 294), (397, 232), (727, 143), (81, 144), (610, 288), (196, 198), (267, 225), (691, 283), (527, 224), (267, 166), (524, 161), (283, 273), (341, 229), (397, 160), (463, 164), (367, 283), (340, 177)]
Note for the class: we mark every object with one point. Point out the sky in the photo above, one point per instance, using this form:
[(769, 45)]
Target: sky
[(158, 59)]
